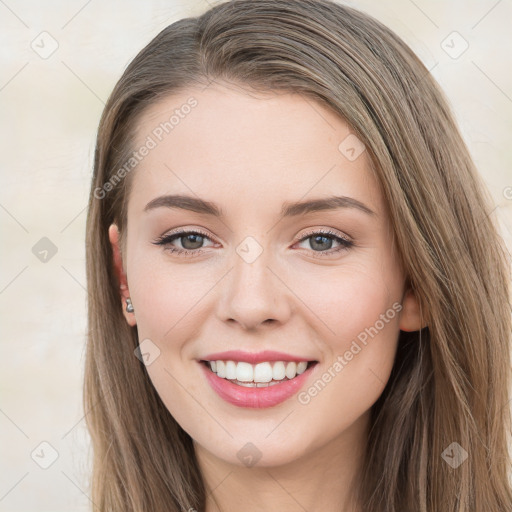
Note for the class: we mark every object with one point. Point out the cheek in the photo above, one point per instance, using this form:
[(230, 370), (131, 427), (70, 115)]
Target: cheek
[(166, 296), (357, 311), (349, 299), (362, 309)]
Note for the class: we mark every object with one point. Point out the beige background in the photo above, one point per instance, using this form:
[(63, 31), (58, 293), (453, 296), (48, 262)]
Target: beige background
[(51, 105)]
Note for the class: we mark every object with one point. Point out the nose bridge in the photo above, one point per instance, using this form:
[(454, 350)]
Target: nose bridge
[(252, 293)]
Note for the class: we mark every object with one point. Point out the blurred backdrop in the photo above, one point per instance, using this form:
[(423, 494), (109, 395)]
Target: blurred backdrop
[(59, 62)]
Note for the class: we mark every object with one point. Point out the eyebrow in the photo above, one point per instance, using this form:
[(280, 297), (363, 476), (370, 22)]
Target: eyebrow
[(289, 209)]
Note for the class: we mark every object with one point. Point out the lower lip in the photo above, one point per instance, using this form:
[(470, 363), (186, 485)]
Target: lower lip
[(257, 398)]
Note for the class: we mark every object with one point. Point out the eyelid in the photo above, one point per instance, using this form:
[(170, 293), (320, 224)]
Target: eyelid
[(185, 230), (324, 231)]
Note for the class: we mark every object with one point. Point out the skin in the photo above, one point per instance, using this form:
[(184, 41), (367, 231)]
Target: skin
[(249, 153)]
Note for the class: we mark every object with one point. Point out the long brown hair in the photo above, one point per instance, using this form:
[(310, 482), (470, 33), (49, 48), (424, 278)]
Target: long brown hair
[(450, 380)]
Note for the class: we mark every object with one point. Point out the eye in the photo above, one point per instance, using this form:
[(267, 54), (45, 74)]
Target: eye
[(190, 241), (320, 240)]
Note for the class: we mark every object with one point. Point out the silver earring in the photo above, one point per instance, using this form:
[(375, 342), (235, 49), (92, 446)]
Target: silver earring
[(129, 306)]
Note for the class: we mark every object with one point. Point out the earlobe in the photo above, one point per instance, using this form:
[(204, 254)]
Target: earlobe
[(126, 304), (411, 318)]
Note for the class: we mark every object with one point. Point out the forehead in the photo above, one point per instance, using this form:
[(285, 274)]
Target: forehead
[(225, 142)]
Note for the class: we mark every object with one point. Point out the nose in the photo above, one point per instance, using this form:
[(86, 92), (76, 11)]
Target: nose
[(254, 295)]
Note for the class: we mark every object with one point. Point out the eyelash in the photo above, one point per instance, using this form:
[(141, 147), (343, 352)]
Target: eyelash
[(165, 240)]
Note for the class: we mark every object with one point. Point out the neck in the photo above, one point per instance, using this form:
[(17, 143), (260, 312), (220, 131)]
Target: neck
[(325, 478)]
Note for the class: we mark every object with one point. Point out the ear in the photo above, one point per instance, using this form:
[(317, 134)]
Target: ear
[(411, 318), (113, 235)]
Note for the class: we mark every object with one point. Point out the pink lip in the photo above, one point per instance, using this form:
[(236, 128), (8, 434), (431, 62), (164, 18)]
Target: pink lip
[(253, 358), (257, 398)]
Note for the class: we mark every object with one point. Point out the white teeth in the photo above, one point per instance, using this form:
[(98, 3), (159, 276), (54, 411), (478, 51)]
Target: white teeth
[(263, 372), (301, 367), (291, 369), (257, 384), (244, 372), (259, 375), (278, 371), (230, 370), (221, 369)]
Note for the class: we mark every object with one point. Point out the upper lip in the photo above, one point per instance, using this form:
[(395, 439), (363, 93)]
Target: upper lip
[(253, 357)]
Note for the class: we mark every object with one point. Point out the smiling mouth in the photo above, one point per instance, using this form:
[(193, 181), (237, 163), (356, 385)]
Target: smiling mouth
[(261, 375)]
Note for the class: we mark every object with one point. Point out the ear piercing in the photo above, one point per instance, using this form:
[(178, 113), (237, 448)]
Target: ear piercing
[(129, 306)]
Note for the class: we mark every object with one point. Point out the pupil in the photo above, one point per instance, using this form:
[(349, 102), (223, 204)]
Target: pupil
[(194, 238), (320, 237)]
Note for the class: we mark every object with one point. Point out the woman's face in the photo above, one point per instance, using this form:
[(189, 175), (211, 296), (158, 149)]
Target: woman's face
[(268, 272)]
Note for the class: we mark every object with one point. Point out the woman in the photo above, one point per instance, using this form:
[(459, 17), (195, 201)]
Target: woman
[(297, 299)]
